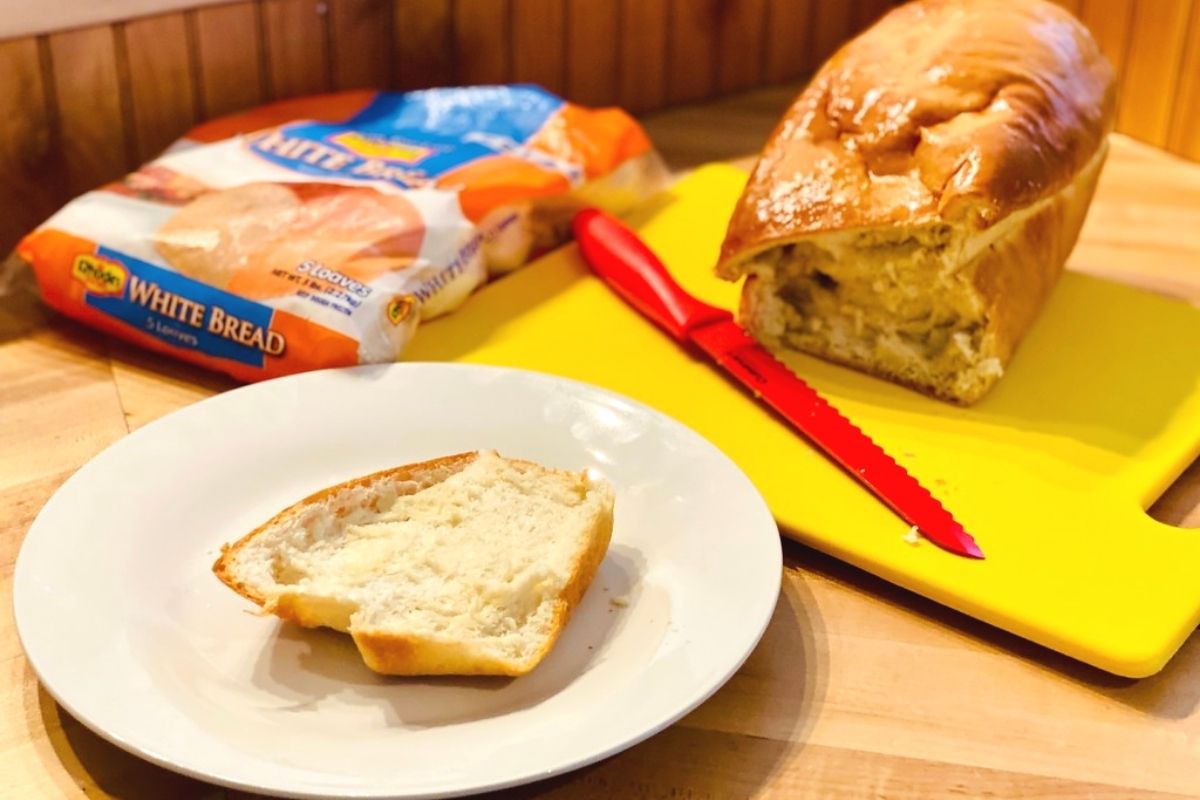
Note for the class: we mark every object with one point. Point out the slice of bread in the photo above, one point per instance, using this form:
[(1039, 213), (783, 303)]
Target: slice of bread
[(465, 565)]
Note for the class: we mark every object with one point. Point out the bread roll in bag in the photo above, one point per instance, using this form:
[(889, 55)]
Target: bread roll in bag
[(318, 232), (913, 209)]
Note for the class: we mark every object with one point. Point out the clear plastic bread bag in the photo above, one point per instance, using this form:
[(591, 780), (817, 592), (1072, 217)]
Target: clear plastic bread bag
[(319, 232)]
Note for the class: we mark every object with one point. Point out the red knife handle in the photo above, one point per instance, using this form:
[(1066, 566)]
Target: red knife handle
[(619, 257)]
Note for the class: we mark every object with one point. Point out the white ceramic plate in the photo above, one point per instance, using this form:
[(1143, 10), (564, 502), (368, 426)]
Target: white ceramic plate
[(128, 629)]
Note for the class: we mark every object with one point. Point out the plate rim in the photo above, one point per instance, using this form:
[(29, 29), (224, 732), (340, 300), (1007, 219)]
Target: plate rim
[(459, 788)]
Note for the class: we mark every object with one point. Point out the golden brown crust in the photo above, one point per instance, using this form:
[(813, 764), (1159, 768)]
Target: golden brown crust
[(1016, 275), (392, 654), (1014, 278), (945, 110)]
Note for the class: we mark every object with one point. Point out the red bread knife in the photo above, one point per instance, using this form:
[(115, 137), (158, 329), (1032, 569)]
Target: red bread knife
[(627, 265)]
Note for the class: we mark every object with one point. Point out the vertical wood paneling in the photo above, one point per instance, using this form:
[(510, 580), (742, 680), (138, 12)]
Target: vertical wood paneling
[(593, 31), (1074, 6), (866, 12), (424, 43), (832, 23), (1110, 21), (297, 46), (740, 44), (1185, 121), (29, 177), (539, 35), (789, 39), (361, 36), (1152, 69), (643, 37), (84, 106), (87, 96), (160, 82), (229, 42), (482, 34), (691, 43)]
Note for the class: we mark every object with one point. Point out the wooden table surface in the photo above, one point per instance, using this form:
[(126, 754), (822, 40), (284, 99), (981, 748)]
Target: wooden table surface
[(858, 689)]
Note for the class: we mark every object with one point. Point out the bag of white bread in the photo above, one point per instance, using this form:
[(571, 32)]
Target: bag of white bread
[(318, 232)]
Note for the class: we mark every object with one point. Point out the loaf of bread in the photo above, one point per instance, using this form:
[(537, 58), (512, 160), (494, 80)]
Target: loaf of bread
[(464, 565), (913, 209)]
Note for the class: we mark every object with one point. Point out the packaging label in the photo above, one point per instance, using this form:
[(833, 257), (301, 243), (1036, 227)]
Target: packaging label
[(411, 139), (323, 231), (186, 313), (99, 276)]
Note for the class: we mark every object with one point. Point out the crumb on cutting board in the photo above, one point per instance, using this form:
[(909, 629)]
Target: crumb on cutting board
[(913, 536)]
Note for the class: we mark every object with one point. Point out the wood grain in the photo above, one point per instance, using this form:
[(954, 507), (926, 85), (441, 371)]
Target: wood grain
[(160, 81), (424, 43), (740, 36), (30, 168), (296, 42), (691, 68), (1185, 120), (789, 44), (1074, 6), (831, 25), (866, 12), (361, 43), (53, 16), (482, 39), (539, 44), (1110, 23), (231, 64), (592, 35), (858, 688), (1152, 69), (643, 35), (87, 94)]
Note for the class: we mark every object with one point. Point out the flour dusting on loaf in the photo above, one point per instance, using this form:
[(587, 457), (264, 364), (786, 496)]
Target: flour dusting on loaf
[(913, 210), (466, 565)]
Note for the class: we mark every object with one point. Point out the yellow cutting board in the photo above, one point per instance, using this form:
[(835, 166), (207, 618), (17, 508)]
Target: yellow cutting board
[(1099, 412)]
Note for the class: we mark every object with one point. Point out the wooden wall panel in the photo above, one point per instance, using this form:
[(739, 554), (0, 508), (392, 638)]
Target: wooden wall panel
[(424, 43), (1110, 23), (643, 36), (230, 59), (160, 81), (788, 47), (361, 44), (832, 24), (30, 179), (296, 40), (87, 95), (1152, 71), (85, 105), (691, 41), (867, 11), (1185, 120), (538, 44), (740, 35), (593, 30), (482, 35), (1074, 6)]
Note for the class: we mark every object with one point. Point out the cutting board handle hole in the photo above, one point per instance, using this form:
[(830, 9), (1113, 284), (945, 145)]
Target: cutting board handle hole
[(1179, 505)]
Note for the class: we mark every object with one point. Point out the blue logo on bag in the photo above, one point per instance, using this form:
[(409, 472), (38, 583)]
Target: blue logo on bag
[(413, 138), (187, 313)]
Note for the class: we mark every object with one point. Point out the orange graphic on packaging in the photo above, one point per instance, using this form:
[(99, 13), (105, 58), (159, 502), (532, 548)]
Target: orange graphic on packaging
[(99, 275)]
